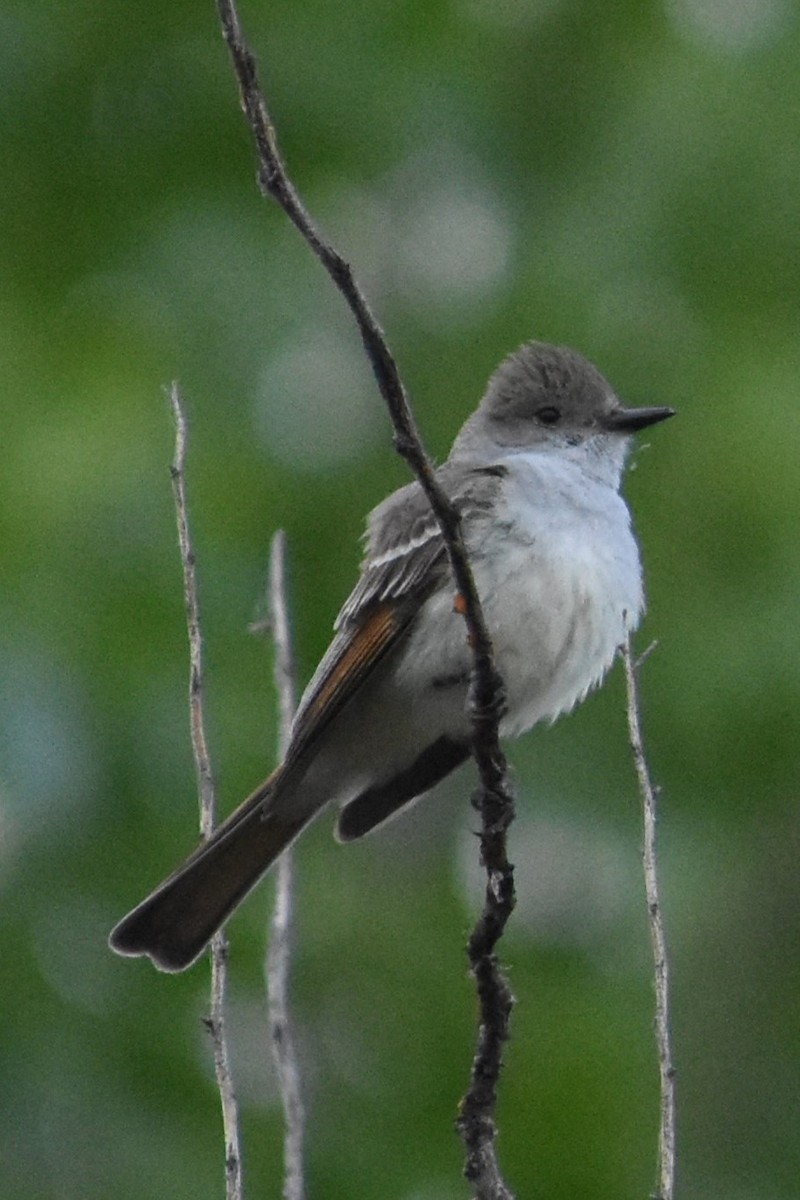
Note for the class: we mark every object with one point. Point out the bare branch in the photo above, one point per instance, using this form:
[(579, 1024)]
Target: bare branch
[(202, 761), (476, 1120), (215, 1022), (278, 963), (285, 671), (649, 794), (643, 657)]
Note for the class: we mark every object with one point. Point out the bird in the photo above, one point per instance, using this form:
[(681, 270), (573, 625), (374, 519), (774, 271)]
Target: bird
[(535, 475)]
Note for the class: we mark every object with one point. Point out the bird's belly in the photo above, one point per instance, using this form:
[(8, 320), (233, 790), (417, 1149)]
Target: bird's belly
[(557, 615), (556, 610)]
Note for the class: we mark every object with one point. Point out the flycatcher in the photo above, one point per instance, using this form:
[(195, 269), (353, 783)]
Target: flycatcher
[(535, 475)]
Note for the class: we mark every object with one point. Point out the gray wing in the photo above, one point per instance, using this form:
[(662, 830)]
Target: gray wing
[(406, 554), (406, 560)]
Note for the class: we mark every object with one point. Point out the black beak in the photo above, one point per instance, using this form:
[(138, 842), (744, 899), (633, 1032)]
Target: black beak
[(628, 420)]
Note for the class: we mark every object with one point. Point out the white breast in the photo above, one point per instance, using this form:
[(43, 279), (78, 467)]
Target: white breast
[(562, 587), (558, 571)]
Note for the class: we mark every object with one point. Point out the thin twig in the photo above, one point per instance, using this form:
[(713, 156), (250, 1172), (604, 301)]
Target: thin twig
[(278, 962), (215, 1022), (649, 794), (643, 657), (476, 1119)]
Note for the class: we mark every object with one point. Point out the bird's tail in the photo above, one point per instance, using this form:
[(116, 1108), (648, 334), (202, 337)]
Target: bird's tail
[(176, 921)]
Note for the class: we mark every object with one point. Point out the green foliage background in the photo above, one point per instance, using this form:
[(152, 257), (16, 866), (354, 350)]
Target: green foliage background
[(620, 177)]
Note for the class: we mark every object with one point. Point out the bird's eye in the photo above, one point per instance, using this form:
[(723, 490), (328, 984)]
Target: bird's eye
[(549, 415)]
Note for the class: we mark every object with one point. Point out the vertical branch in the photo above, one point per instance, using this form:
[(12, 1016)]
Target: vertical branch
[(495, 799), (649, 794), (202, 759), (476, 1114), (215, 1022), (278, 963)]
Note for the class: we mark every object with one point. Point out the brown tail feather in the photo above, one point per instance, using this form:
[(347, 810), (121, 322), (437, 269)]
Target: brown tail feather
[(176, 921)]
